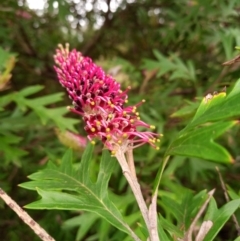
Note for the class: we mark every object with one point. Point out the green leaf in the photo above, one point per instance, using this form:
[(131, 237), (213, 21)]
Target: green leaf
[(30, 90), (84, 221), (47, 99), (220, 107), (11, 152), (199, 142), (38, 105), (227, 41), (173, 64), (65, 188), (57, 116), (184, 207), (232, 193), (212, 209), (6, 99), (162, 234), (170, 227), (220, 217), (197, 139)]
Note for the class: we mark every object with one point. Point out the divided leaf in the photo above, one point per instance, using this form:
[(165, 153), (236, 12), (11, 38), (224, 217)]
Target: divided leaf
[(63, 187), (38, 105)]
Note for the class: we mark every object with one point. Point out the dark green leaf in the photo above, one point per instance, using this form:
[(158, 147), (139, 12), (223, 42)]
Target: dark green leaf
[(199, 142), (65, 188)]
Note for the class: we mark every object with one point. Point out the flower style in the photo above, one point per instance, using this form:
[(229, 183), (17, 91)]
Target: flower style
[(97, 97)]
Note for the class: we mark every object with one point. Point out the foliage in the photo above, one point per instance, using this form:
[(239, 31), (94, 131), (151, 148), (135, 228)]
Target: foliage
[(80, 193), (193, 140), (85, 195)]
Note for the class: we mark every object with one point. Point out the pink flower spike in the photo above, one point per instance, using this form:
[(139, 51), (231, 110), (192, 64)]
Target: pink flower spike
[(98, 98)]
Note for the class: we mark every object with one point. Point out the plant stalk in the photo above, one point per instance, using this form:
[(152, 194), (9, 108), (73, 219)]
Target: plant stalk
[(41, 233), (132, 181)]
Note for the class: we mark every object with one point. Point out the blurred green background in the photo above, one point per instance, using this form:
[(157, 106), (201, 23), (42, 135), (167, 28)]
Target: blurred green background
[(169, 52)]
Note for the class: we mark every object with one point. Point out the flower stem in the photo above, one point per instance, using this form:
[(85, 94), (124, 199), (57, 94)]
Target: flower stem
[(130, 161), (132, 181)]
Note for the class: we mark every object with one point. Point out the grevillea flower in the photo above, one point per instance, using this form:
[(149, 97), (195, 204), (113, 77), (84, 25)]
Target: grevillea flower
[(97, 97)]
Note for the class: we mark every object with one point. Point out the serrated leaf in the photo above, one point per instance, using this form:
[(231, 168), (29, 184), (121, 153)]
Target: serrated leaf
[(65, 188)]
